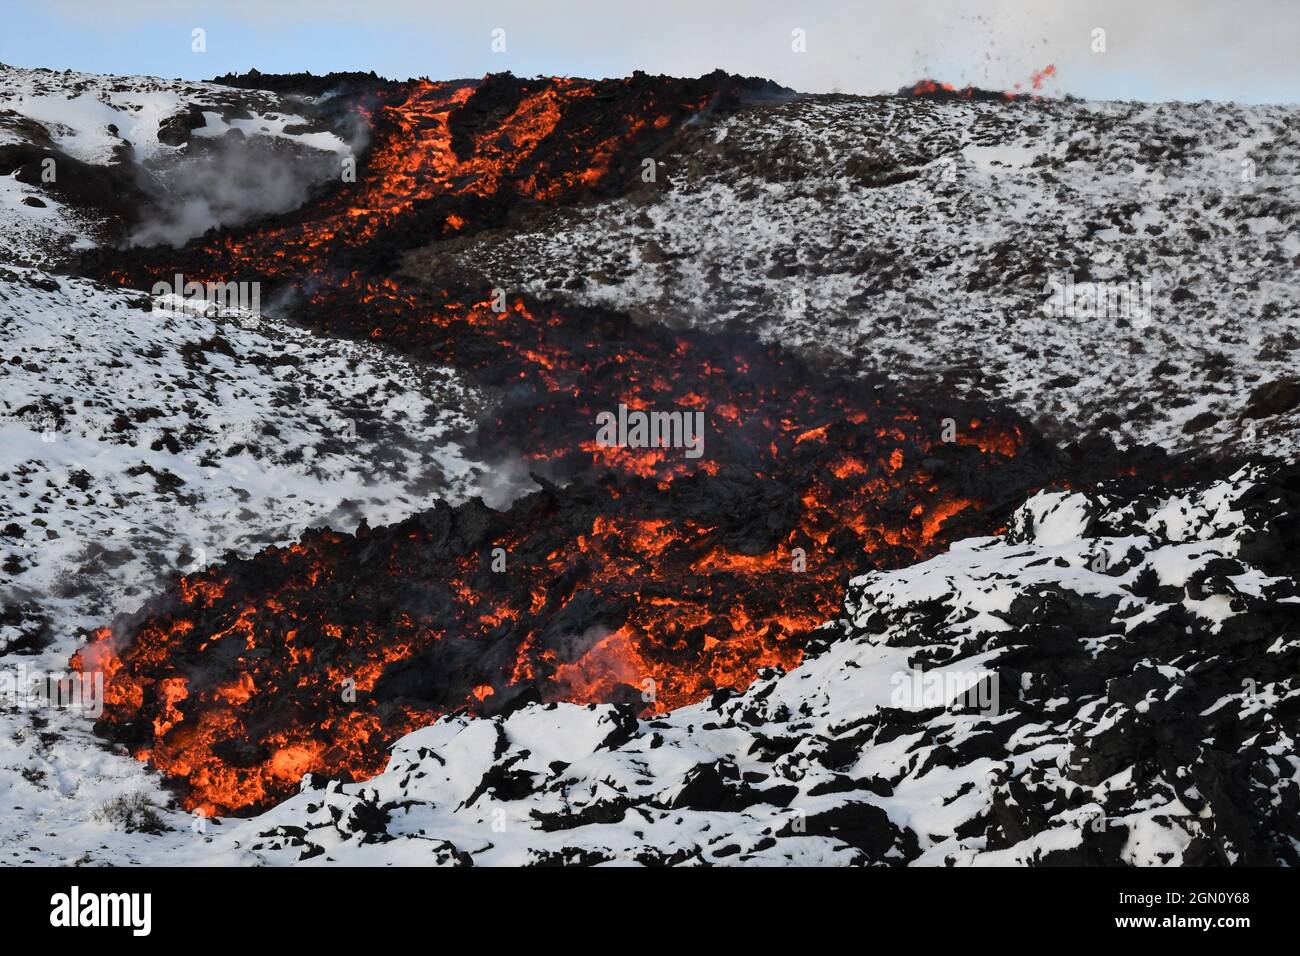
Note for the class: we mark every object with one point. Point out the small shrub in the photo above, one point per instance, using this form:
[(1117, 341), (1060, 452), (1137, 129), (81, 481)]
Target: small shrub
[(133, 813)]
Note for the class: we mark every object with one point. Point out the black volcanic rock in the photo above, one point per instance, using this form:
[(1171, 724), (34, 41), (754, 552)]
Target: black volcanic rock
[(1273, 398)]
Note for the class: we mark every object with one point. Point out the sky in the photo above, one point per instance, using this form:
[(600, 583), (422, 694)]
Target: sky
[(1240, 50)]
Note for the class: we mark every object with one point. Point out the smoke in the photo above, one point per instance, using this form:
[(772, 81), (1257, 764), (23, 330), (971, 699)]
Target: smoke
[(506, 480), (228, 183), (230, 180)]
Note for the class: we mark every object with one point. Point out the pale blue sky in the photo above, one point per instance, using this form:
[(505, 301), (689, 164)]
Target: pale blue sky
[(1155, 49)]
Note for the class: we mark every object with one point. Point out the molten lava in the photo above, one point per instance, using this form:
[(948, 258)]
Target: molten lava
[(635, 575)]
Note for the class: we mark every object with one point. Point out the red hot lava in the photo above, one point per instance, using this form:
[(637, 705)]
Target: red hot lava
[(649, 578)]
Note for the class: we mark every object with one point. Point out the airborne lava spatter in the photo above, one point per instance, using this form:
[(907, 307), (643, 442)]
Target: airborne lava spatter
[(933, 89), (650, 579)]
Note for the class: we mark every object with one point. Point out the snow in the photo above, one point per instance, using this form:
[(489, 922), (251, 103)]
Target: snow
[(78, 109), (915, 239), (188, 429), (31, 229), (269, 124), (79, 124), (115, 123), (1058, 518)]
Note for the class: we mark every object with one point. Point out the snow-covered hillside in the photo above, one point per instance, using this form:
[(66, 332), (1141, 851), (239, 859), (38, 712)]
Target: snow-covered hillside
[(918, 238), (1114, 680), (140, 440), (81, 152)]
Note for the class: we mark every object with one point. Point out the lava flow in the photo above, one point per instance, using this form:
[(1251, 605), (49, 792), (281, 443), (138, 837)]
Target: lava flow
[(636, 575)]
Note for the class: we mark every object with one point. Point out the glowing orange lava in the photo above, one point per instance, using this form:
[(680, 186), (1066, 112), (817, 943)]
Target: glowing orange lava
[(654, 579)]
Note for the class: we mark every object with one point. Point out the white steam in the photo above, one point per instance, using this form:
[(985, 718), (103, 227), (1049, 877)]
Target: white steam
[(223, 181)]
